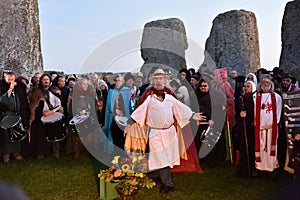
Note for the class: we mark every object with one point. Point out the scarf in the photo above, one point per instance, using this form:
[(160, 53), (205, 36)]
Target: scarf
[(257, 127)]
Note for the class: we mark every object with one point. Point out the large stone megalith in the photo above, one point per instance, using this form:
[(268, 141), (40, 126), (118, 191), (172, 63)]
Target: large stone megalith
[(20, 36), (233, 43), (290, 36), (163, 45)]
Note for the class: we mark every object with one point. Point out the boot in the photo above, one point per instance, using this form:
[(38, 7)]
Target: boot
[(6, 159), (18, 156), (237, 158)]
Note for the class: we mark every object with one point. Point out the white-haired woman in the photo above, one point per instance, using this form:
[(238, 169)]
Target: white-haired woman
[(244, 156)]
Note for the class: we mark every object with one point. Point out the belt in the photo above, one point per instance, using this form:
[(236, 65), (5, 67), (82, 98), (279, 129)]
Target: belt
[(161, 128), (203, 123), (266, 127)]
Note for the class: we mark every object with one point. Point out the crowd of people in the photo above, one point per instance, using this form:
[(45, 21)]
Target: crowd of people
[(247, 110)]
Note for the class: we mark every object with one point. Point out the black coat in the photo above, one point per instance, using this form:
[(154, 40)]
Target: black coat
[(246, 124), (20, 92)]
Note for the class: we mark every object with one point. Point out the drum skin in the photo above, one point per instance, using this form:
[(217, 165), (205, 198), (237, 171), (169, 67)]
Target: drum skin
[(83, 124), (13, 127), (54, 127)]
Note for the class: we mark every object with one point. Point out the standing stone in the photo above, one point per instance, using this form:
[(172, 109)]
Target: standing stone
[(290, 36), (233, 43), (20, 36), (163, 45)]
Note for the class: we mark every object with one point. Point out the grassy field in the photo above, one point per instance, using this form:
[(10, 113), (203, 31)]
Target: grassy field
[(76, 179)]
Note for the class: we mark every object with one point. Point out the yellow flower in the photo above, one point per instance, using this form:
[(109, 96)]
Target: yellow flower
[(125, 168), (115, 160), (139, 175), (134, 159), (141, 157), (130, 172)]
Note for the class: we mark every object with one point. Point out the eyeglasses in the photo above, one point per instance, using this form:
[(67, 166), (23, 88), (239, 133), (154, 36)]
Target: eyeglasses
[(203, 86)]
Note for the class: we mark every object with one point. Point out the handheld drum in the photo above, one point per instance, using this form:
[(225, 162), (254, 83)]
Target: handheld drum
[(13, 127), (54, 127)]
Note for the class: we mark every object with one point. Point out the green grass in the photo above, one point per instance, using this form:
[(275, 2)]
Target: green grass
[(76, 179)]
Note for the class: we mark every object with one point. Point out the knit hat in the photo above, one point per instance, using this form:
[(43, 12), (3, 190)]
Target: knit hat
[(128, 76)]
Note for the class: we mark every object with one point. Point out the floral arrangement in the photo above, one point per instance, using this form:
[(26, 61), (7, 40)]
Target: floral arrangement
[(127, 174)]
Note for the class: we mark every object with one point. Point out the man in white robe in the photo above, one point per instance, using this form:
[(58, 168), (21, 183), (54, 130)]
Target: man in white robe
[(158, 110), (267, 107)]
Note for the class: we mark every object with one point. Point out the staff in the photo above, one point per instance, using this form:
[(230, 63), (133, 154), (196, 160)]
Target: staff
[(229, 141)]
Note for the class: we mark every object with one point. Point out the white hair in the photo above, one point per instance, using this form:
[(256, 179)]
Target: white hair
[(266, 76)]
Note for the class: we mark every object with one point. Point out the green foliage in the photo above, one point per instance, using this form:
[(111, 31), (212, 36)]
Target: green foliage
[(77, 179)]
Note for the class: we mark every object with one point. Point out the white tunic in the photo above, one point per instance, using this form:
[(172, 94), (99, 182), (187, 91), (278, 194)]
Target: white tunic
[(268, 162), (163, 140)]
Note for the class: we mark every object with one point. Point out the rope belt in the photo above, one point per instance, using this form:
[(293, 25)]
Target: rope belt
[(161, 128)]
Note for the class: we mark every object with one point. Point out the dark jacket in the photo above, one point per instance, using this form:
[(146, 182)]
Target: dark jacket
[(17, 102)]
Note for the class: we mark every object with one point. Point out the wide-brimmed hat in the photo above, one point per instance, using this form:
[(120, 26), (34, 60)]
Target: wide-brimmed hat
[(288, 76), (140, 74), (159, 73)]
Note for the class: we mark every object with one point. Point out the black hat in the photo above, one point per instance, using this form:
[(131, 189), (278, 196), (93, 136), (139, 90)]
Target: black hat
[(286, 75), (71, 79), (128, 76)]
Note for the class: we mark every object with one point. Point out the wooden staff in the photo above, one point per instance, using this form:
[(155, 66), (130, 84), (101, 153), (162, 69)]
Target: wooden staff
[(229, 141)]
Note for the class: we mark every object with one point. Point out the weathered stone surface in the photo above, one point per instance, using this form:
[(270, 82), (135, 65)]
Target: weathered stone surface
[(163, 44), (233, 43), (290, 36), (20, 36)]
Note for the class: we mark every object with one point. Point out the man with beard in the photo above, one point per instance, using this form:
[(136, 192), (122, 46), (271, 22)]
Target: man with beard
[(34, 82), (286, 85), (204, 103), (158, 109), (42, 103), (267, 108)]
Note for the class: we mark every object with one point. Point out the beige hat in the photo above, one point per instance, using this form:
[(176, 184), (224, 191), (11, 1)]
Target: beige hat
[(140, 74), (159, 73)]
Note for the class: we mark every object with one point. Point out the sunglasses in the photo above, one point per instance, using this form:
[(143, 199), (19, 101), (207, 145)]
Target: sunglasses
[(203, 86)]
